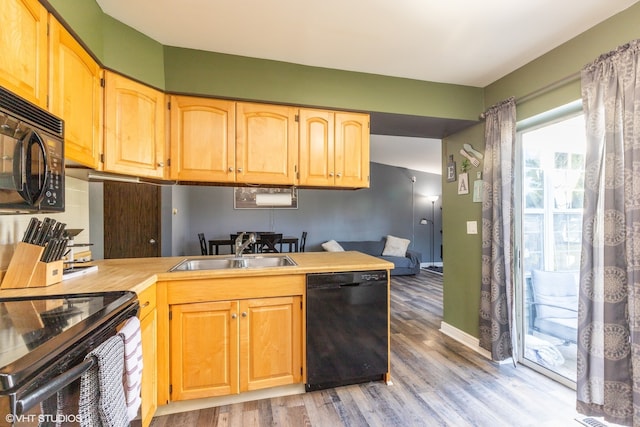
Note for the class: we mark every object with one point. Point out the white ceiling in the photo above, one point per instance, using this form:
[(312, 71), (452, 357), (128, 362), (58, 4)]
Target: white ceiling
[(420, 154), (465, 42)]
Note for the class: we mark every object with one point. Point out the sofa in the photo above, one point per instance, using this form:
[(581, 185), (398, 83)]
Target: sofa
[(406, 265)]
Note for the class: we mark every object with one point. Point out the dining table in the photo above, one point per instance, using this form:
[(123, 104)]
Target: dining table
[(291, 243)]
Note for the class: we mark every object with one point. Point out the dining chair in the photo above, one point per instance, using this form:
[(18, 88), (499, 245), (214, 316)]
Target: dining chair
[(203, 244), (303, 241), (269, 241)]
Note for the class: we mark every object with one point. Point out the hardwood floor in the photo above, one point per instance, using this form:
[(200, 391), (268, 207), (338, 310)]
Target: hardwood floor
[(436, 382)]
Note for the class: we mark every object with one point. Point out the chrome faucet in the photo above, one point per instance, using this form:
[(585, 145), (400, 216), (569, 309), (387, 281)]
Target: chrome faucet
[(241, 246)]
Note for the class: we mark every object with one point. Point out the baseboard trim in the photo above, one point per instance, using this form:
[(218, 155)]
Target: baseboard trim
[(428, 264), (211, 402), (464, 338)]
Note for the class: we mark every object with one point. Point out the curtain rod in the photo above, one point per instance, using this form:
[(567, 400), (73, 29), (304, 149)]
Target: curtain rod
[(545, 89)]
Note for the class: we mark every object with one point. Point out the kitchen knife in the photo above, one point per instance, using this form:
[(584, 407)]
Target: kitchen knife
[(34, 232), (36, 235), (60, 249), (31, 229), (46, 254), (44, 236), (58, 231)]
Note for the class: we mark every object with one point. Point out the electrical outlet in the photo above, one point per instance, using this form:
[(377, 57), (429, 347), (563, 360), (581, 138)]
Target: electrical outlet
[(472, 227)]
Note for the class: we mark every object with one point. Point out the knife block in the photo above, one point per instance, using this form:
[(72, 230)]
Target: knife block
[(27, 271)]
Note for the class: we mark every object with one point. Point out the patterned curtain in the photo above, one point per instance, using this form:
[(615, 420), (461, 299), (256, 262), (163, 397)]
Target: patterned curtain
[(608, 375), (496, 298)]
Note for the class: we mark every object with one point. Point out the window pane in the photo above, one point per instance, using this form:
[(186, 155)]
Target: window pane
[(533, 241), (567, 232)]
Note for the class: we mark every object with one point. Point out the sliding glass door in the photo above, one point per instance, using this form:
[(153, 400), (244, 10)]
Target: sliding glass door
[(549, 218)]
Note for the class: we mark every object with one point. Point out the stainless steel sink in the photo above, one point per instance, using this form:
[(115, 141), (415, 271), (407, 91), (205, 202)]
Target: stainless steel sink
[(247, 261)]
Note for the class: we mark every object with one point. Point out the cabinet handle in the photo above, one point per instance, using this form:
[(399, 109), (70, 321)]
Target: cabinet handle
[(331, 174), (240, 170), (230, 169), (233, 316), (338, 175), (244, 314), (160, 164), (145, 305)]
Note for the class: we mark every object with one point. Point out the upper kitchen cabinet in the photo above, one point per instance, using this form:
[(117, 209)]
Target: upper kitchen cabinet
[(317, 147), (267, 144), (202, 139), (76, 96), (334, 149), (134, 117), (352, 150), (23, 43)]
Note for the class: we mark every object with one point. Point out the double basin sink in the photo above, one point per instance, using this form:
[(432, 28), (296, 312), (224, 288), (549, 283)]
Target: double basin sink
[(246, 261)]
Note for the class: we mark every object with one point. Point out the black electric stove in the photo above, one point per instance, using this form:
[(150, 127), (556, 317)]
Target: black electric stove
[(38, 333)]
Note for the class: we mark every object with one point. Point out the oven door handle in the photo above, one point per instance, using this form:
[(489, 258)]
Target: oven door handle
[(53, 386)]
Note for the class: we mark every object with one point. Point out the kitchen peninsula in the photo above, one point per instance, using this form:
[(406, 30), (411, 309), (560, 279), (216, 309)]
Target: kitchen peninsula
[(232, 330)]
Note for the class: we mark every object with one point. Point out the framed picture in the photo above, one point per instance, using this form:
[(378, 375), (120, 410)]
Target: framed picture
[(451, 169), (265, 198), (477, 189), (463, 183)]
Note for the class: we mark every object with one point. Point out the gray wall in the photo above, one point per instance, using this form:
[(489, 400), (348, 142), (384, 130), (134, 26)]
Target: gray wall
[(392, 205)]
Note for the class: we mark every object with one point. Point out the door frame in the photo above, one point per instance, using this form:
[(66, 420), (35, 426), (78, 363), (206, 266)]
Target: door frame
[(549, 117)]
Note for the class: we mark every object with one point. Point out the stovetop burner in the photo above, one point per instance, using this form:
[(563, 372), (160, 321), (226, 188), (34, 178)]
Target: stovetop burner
[(33, 330)]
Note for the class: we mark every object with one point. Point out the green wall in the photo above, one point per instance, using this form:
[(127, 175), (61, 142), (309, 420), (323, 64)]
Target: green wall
[(462, 252), (232, 76), (132, 53), (85, 19)]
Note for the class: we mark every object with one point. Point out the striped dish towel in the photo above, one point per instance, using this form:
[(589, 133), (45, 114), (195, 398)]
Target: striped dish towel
[(102, 401), (131, 335)]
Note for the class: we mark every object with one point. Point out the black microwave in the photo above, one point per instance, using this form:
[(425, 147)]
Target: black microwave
[(31, 157)]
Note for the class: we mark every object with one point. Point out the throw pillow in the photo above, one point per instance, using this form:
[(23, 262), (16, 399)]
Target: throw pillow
[(395, 246), (332, 246)]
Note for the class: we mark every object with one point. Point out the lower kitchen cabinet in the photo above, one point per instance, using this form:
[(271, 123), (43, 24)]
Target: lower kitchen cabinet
[(227, 347), (270, 342), (149, 335)]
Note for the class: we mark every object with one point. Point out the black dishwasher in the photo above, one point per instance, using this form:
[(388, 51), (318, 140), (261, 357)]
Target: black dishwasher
[(347, 328)]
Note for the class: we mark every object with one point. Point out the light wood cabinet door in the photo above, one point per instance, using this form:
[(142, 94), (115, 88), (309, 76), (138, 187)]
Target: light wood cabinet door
[(267, 144), (76, 96), (317, 147), (134, 120), (204, 350), (149, 392), (23, 43), (202, 139), (270, 342), (352, 150)]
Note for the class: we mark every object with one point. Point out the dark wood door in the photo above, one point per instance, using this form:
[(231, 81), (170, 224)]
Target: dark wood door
[(131, 220)]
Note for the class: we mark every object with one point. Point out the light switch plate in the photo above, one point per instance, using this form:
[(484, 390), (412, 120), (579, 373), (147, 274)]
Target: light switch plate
[(472, 227)]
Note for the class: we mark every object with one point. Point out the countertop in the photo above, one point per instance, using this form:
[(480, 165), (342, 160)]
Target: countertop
[(136, 274)]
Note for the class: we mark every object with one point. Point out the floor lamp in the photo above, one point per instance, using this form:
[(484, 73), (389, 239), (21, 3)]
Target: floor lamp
[(433, 199)]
